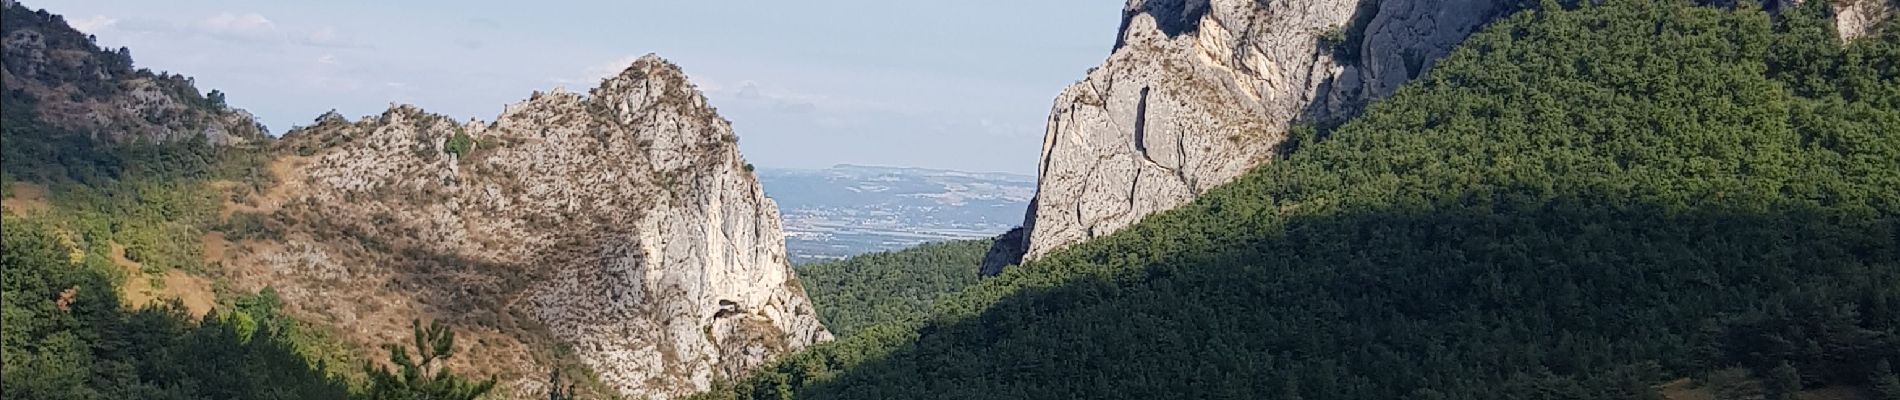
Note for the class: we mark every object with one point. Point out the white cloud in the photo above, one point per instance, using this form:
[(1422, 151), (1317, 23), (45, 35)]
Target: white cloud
[(94, 24), (237, 27), (249, 25), (327, 59)]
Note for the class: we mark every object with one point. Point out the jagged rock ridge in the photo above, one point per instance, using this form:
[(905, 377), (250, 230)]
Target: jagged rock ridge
[(622, 224), (79, 87)]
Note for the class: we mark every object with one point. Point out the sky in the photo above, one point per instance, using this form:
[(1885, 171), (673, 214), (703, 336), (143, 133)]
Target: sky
[(963, 85)]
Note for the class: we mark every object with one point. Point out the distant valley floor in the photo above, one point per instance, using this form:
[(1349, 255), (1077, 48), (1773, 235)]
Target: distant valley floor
[(846, 210)]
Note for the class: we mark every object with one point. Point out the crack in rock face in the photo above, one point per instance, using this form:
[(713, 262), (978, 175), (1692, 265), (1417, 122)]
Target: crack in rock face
[(1221, 82), (1205, 89)]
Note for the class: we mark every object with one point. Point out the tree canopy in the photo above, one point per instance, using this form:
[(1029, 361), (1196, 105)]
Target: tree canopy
[(1575, 204), (886, 287)]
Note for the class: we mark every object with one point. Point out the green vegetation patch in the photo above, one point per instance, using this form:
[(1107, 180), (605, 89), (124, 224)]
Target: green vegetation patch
[(889, 287), (66, 336), (459, 144), (1576, 204)]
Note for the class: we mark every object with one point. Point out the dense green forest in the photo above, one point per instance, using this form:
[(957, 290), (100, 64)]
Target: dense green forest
[(67, 336), (886, 287), (65, 332), (1576, 204)]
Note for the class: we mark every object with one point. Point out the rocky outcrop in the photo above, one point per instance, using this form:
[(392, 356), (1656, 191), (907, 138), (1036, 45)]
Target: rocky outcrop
[(1199, 91), (1858, 18), (75, 86), (621, 225), (1006, 250)]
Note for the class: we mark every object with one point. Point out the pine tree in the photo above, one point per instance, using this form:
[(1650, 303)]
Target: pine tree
[(1783, 382), (559, 389), (423, 377), (1886, 385)]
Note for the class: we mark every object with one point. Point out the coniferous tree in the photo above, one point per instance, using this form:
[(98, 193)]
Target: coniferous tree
[(559, 389), (423, 377), (1885, 384), (1783, 382)]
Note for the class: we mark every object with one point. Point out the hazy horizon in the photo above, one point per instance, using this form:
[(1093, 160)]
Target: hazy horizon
[(939, 86)]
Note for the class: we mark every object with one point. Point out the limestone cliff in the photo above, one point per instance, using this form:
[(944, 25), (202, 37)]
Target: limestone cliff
[(1197, 92), (621, 224)]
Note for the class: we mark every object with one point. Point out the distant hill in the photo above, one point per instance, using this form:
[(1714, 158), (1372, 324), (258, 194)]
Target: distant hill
[(846, 210)]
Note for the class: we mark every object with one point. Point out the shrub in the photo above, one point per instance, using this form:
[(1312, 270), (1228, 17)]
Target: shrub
[(459, 145)]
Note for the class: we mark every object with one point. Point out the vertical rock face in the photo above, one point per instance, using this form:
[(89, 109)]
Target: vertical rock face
[(1199, 91), (621, 224)]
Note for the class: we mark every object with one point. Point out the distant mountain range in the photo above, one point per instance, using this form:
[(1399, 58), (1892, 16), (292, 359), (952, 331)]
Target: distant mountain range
[(846, 210)]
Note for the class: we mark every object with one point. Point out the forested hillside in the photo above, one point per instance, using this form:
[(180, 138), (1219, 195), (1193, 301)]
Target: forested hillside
[(70, 330), (102, 233), (886, 287), (1576, 204), (66, 335)]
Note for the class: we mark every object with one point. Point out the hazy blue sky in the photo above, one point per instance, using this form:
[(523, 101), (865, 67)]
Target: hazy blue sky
[(943, 84)]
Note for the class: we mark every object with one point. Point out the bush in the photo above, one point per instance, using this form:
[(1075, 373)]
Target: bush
[(245, 225), (460, 144)]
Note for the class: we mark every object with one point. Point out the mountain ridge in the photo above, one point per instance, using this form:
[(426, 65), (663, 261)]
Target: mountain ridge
[(632, 197), (617, 234), (81, 87)]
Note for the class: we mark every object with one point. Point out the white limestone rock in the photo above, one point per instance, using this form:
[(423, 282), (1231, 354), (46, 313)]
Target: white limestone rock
[(1855, 19), (622, 224), (1199, 91)]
